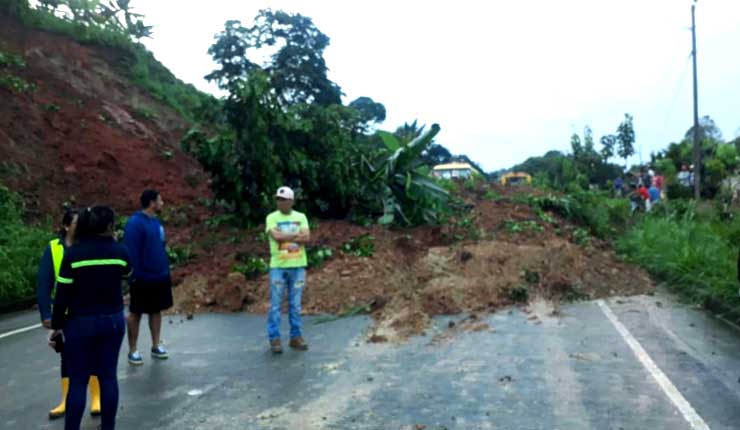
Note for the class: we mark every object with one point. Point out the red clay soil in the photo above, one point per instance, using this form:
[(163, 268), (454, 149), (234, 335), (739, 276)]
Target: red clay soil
[(419, 273), (79, 137)]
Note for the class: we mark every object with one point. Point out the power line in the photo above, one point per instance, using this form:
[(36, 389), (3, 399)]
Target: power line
[(669, 113)]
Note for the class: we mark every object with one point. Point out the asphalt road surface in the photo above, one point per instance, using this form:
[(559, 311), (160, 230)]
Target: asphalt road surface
[(643, 362)]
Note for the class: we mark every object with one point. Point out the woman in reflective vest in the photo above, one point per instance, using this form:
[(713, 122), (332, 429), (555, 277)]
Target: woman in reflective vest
[(88, 313), (51, 261)]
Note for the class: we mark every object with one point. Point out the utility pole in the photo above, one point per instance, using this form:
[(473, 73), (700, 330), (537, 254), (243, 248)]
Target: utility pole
[(697, 143)]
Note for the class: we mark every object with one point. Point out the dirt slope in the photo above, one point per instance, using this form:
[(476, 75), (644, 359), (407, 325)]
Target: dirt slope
[(86, 134), (419, 273)]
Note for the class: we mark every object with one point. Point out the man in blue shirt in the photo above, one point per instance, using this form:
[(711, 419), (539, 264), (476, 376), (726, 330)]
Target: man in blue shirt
[(151, 286), (618, 187), (654, 193)]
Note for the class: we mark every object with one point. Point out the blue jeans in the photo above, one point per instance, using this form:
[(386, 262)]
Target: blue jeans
[(91, 347), (293, 280)]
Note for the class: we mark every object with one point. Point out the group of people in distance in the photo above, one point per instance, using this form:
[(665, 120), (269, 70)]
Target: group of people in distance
[(646, 189)]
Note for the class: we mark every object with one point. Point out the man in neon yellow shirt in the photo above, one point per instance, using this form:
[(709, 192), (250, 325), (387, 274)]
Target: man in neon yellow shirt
[(288, 232)]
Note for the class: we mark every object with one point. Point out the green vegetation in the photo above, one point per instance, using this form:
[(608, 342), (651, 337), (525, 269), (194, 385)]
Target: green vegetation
[(179, 255), (15, 83), (691, 247), (692, 256), (10, 64), (519, 294), (21, 247), (531, 277), (283, 122), (522, 226), (585, 165), (720, 160), (11, 60), (399, 182), (464, 227), (285, 125), (361, 246), (318, 255), (251, 266), (120, 227), (145, 71), (603, 216), (581, 237), (112, 22), (693, 250), (492, 195)]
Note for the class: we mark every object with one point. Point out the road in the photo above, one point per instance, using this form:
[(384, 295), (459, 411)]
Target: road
[(573, 371)]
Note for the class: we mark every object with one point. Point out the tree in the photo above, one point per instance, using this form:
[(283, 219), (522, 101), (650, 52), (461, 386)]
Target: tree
[(254, 112), (465, 159), (719, 159), (587, 161), (369, 110), (608, 144), (408, 131), (554, 168), (708, 130), (590, 157), (588, 140), (436, 154), (297, 70), (736, 142), (230, 52), (576, 146), (114, 15), (626, 138), (286, 126)]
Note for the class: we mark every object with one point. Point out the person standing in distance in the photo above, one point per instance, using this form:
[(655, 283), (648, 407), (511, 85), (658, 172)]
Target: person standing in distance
[(288, 232), (151, 286)]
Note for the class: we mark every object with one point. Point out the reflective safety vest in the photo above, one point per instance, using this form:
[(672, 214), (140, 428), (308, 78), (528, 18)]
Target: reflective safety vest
[(57, 254)]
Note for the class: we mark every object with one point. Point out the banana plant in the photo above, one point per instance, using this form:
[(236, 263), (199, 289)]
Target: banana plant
[(400, 180)]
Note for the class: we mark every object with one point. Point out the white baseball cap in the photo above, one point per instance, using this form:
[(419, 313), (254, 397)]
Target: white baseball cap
[(285, 193)]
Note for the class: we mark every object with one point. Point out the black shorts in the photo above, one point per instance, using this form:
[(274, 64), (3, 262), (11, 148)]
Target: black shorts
[(150, 298)]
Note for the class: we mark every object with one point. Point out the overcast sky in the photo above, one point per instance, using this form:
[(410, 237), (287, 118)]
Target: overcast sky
[(505, 80)]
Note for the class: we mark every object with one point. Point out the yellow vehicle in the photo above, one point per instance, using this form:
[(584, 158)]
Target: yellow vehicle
[(515, 178)]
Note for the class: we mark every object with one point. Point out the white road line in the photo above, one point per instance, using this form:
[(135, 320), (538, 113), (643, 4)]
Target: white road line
[(688, 412), (20, 330)]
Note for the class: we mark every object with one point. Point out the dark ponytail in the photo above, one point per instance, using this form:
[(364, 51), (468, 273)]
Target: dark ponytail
[(69, 216), (94, 222)]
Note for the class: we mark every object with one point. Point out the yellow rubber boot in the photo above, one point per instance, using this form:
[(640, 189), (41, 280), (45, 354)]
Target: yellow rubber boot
[(94, 396), (58, 412)]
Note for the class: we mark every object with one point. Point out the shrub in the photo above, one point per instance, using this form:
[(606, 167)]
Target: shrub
[(21, 247), (361, 246), (688, 255), (251, 266)]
